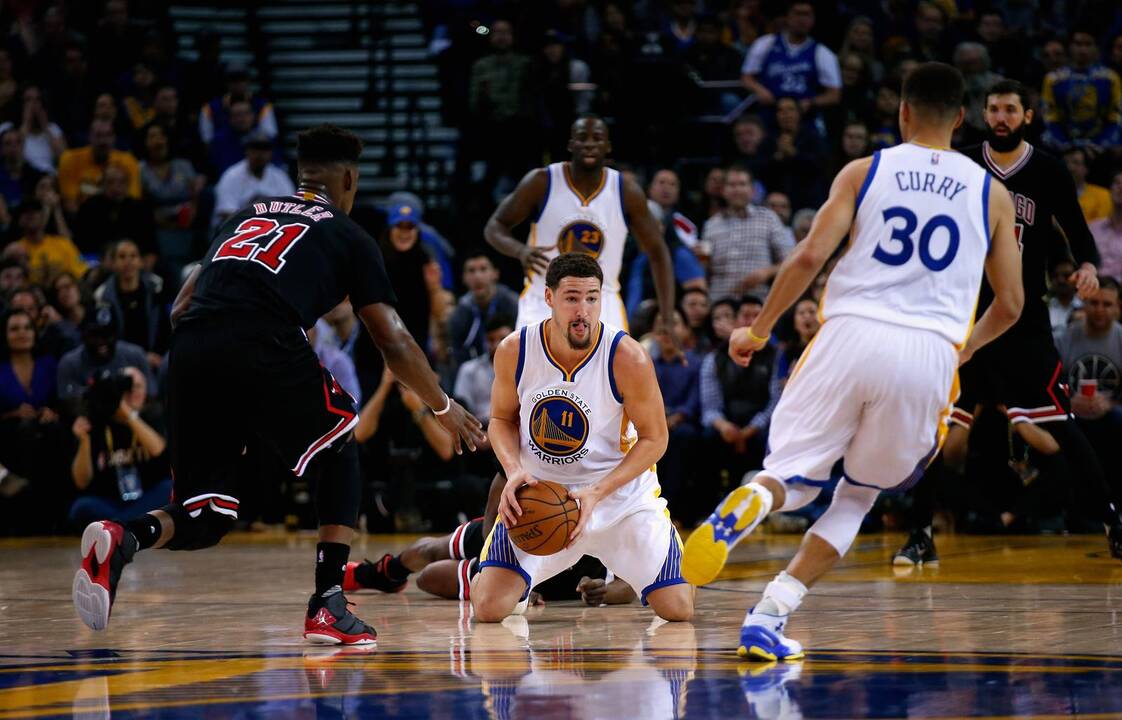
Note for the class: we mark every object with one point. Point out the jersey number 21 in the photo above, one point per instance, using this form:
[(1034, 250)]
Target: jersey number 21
[(263, 241)]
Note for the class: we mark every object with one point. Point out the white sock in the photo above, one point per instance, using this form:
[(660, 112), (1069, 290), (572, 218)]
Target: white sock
[(765, 497), (782, 596)]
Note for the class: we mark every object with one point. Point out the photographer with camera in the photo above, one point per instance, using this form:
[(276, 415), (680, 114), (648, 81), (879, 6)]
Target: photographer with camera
[(101, 350), (119, 466)]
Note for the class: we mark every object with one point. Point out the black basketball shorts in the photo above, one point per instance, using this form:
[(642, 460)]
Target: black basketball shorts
[(1021, 372), (232, 380)]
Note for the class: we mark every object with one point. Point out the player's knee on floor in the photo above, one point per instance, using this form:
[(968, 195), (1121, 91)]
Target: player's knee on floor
[(673, 603), (839, 525), (495, 592), (201, 523)]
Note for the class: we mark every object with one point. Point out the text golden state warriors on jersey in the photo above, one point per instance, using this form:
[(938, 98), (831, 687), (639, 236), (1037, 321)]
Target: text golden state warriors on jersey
[(559, 423)]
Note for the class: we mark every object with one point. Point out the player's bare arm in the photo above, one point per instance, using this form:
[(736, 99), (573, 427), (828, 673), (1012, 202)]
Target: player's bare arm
[(1003, 270), (642, 401), (411, 368), (831, 225), (645, 229), (503, 429), (512, 212), (183, 299)]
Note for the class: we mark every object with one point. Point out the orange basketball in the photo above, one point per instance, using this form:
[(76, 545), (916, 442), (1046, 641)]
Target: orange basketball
[(548, 516)]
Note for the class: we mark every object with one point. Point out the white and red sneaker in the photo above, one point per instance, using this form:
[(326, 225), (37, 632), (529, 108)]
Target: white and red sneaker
[(329, 621), (106, 548)]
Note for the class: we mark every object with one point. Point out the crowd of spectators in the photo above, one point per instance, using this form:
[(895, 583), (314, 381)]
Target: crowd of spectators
[(113, 153), (736, 115), (117, 160)]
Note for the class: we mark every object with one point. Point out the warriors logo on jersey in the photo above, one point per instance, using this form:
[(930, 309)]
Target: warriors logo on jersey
[(559, 426), (581, 235)]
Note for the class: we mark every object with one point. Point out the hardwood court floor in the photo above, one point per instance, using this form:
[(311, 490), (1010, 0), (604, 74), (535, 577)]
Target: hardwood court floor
[(1006, 627)]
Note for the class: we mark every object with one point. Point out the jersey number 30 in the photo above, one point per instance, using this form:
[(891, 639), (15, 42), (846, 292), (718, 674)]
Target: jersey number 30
[(263, 241), (905, 245)]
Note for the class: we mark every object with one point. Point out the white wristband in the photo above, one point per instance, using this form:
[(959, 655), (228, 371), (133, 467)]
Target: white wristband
[(447, 405)]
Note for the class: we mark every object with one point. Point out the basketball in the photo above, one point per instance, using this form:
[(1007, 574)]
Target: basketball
[(548, 517)]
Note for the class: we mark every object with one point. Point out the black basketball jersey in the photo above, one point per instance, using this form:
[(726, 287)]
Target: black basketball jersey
[(1042, 191), (289, 259)]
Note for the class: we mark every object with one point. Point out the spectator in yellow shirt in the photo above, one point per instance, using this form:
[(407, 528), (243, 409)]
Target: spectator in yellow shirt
[(47, 255), (1093, 199), (80, 169)]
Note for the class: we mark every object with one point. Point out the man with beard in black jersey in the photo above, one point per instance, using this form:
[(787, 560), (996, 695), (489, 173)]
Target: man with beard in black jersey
[(1020, 372)]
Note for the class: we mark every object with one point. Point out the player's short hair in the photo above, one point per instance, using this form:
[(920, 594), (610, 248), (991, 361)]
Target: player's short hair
[(498, 321), (1108, 283), (1010, 87), (934, 89), (572, 265), (328, 144)]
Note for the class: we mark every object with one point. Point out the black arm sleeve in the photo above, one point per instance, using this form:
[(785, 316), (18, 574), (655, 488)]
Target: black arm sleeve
[(1070, 218), (369, 282)]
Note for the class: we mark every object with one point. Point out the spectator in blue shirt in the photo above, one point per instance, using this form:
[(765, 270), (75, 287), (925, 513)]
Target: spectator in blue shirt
[(793, 64), (1082, 102)]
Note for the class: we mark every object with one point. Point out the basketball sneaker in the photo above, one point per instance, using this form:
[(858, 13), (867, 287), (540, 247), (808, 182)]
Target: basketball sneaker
[(765, 688), (707, 548), (918, 550), (371, 576), (330, 621), (761, 639), (106, 548)]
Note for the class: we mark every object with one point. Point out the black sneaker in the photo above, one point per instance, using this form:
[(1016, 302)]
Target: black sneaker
[(918, 550), (106, 548), (329, 621), (372, 576), (1114, 539)]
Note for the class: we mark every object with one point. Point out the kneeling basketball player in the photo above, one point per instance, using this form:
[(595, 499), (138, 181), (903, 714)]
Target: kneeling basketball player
[(575, 401), (447, 564)]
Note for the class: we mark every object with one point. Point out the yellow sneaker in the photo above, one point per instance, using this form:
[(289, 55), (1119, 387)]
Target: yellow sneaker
[(707, 548)]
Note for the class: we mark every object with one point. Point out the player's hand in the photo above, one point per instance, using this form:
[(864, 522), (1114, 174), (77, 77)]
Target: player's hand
[(509, 510), (1086, 280), (463, 426), (587, 498), (593, 591), (533, 258), (742, 345)]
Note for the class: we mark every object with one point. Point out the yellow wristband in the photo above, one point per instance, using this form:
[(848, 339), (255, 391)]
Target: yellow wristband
[(756, 338)]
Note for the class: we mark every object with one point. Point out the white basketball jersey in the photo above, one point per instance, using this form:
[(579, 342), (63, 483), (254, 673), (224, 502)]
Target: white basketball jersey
[(572, 426), (918, 244), (570, 222)]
